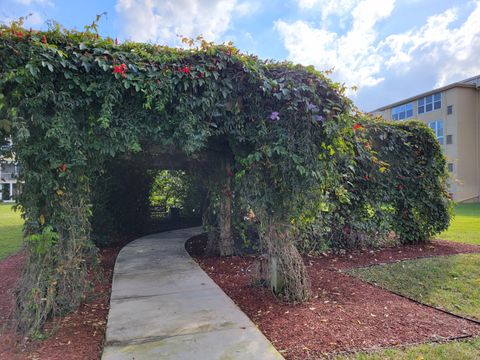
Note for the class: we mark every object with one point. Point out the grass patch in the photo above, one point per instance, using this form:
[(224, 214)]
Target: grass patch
[(10, 231), (465, 226), (455, 350), (451, 283)]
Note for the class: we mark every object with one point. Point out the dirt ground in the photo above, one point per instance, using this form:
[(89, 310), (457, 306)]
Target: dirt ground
[(345, 314), (78, 336)]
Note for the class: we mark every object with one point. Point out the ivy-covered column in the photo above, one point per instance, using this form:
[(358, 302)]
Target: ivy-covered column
[(288, 276), (226, 245), (56, 204), (58, 247)]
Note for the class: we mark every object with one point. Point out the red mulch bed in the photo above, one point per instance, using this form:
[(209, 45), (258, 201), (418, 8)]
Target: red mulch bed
[(77, 336), (345, 313)]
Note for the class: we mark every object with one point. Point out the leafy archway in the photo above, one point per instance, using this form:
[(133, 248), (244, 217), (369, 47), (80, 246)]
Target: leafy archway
[(278, 139)]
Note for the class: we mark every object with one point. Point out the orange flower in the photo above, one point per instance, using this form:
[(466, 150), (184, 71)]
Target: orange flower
[(357, 126)]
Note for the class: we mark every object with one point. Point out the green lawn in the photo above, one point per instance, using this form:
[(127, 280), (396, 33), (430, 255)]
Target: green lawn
[(465, 225), (451, 283), (10, 231), (454, 350)]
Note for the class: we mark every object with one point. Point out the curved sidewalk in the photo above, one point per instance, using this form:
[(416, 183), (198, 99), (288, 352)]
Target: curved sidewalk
[(164, 306)]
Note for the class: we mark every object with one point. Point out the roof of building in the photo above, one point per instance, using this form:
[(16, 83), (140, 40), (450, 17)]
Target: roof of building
[(472, 82)]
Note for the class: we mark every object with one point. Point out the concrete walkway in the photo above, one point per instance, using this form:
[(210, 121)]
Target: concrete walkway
[(164, 306)]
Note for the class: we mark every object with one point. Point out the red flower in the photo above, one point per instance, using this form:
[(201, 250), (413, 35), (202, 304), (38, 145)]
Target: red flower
[(62, 167), (357, 126), (44, 39), (366, 177), (20, 34), (185, 70), (120, 69), (400, 186)]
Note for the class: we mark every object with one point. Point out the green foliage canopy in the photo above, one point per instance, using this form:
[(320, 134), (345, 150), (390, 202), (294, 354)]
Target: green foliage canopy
[(77, 101), (73, 102)]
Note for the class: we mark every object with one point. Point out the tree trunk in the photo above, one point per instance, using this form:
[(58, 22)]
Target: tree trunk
[(212, 243), (288, 276), (225, 217)]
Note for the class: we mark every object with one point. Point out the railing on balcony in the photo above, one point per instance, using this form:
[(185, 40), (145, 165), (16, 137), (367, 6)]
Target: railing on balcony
[(7, 177), (8, 172)]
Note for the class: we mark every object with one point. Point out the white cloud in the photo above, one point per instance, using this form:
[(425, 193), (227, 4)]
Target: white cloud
[(352, 55), (307, 4), (454, 51), (360, 57), (340, 8), (29, 10), (162, 20), (32, 20), (34, 2)]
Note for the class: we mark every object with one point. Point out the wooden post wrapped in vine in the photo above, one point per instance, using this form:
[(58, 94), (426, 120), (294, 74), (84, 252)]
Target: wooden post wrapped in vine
[(288, 276), (225, 216)]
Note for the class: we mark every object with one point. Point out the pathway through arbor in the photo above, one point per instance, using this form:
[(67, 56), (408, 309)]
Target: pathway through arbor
[(163, 305)]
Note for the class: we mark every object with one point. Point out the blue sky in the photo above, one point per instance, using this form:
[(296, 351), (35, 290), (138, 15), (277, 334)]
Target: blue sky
[(389, 49)]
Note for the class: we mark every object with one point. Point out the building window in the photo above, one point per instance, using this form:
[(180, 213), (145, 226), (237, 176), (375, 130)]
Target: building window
[(450, 167), (429, 103), (449, 109), (437, 127), (402, 112), (449, 139)]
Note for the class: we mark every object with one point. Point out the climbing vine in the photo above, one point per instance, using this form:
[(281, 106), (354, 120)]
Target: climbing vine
[(284, 139)]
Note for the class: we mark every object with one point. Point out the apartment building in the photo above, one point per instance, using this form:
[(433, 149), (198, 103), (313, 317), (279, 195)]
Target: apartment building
[(9, 171), (453, 112)]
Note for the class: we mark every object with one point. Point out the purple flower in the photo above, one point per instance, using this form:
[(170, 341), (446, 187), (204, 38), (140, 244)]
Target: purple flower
[(319, 118), (274, 116), (311, 106)]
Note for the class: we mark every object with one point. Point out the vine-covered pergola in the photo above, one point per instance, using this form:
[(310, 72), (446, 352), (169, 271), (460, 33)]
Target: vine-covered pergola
[(278, 140)]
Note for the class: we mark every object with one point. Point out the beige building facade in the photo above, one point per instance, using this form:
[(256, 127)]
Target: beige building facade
[(453, 113)]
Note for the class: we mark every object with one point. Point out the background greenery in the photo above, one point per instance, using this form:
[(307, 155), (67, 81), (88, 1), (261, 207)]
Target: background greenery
[(177, 189), (465, 227), (10, 230)]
